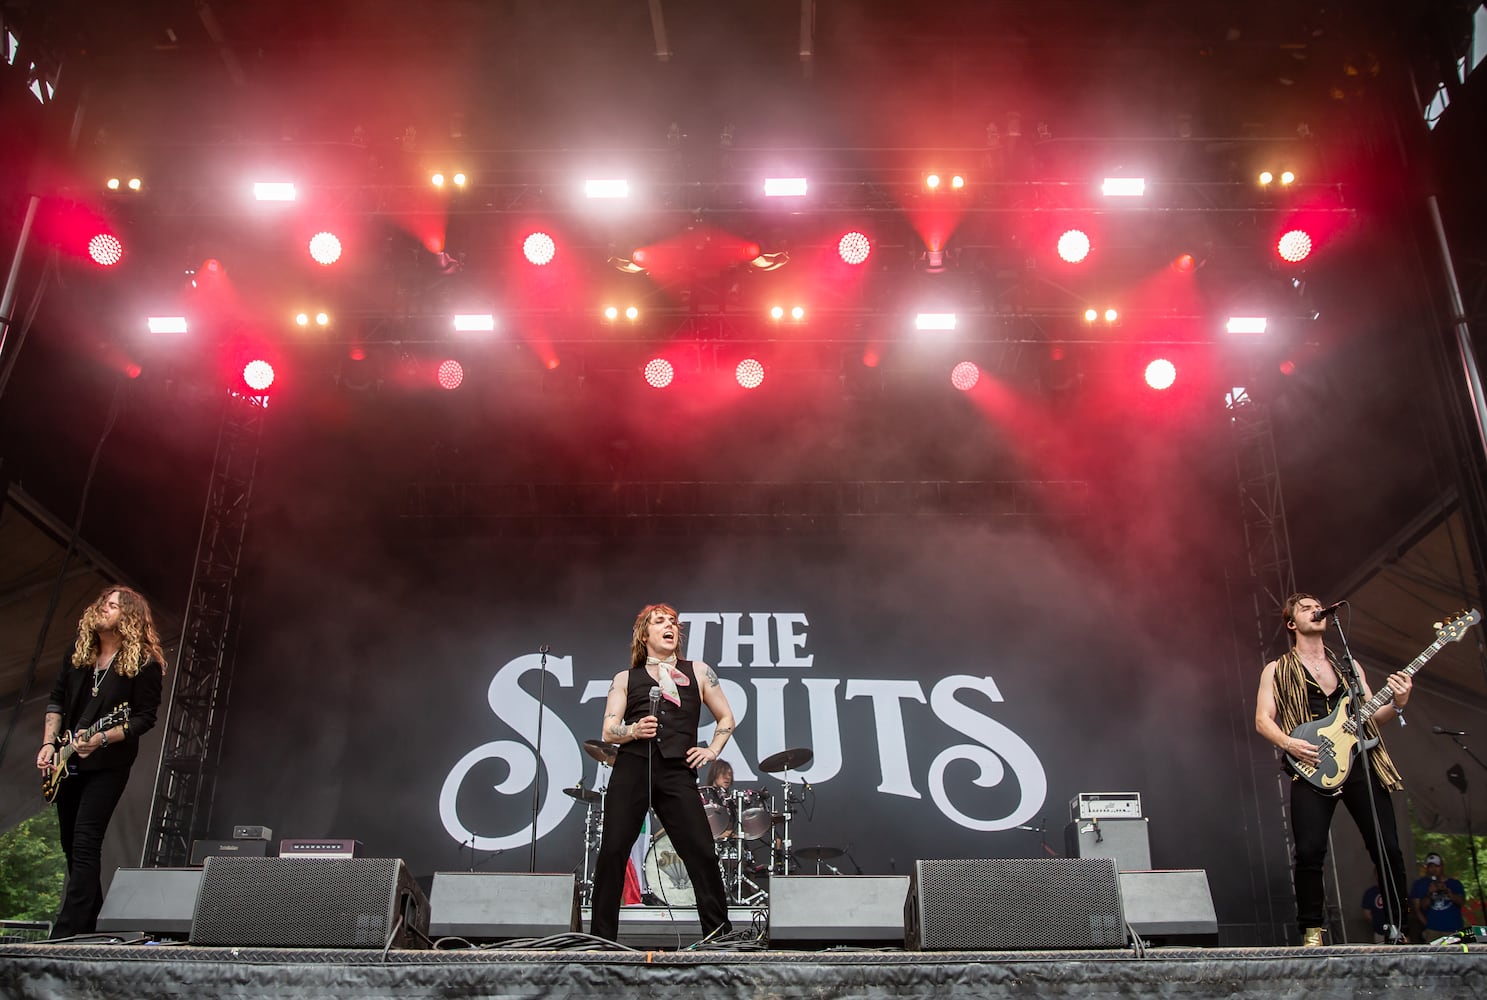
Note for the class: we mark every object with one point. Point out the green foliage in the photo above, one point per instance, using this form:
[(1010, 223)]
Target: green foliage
[(32, 869), (1456, 853)]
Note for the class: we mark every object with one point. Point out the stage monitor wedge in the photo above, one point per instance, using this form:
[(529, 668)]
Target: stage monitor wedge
[(814, 911), (150, 901), (995, 904), (500, 906)]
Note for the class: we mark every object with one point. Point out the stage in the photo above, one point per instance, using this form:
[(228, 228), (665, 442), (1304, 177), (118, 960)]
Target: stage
[(72, 971)]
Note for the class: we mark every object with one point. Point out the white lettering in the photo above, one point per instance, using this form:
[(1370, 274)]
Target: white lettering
[(757, 640), (888, 718), (694, 625), (790, 640), (995, 743)]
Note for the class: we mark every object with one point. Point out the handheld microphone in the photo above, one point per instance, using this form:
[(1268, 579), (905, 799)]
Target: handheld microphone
[(1437, 730), (1330, 609), (656, 706)]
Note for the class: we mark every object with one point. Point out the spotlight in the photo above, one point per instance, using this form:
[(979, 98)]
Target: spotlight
[(1246, 324), (611, 188), (965, 375), (325, 248), (135, 184), (659, 373), (611, 313), (957, 182), (1266, 178), (776, 312), (459, 180), (1111, 315), (474, 322), (273, 191), (784, 187), (106, 250), (166, 324), (1288, 367), (854, 248), (451, 374), (1294, 246), (1123, 187), (932, 181), (1090, 315), (322, 319), (112, 184), (1073, 246), (437, 180), (1184, 263), (631, 313), (1287, 178), (539, 248), (258, 375), (797, 313), (1160, 374), (302, 319), (934, 321), (750, 373)]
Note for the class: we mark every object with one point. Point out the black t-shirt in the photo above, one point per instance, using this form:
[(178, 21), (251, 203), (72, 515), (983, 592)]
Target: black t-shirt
[(72, 698)]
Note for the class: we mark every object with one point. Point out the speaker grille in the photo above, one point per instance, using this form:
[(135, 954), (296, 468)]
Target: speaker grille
[(1015, 903), (306, 902)]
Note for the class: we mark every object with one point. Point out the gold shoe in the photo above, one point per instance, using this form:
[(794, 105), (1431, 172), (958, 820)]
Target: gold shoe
[(1311, 937)]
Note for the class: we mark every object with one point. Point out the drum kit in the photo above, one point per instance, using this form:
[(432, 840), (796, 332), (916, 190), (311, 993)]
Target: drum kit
[(743, 821)]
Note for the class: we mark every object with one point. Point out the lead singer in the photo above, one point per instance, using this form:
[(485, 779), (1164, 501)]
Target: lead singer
[(652, 713)]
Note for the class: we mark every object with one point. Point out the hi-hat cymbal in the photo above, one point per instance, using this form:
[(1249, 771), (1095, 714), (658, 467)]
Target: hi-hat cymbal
[(583, 794), (786, 760), (604, 753), (818, 853)]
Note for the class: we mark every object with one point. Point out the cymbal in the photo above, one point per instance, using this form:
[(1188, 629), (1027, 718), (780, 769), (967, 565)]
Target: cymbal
[(604, 753), (819, 853), (786, 760), (583, 794)]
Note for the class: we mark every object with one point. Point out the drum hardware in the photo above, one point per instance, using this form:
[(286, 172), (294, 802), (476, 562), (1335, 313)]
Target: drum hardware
[(604, 753), (784, 762), (821, 855)]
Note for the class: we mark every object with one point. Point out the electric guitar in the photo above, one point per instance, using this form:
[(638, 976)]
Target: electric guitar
[(1338, 734), (61, 760)]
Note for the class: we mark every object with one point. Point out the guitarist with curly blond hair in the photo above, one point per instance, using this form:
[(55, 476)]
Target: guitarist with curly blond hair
[(1307, 684), (105, 699)]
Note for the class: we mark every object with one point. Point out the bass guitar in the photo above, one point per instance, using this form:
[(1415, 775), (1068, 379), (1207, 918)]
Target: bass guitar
[(1338, 735), (62, 764)]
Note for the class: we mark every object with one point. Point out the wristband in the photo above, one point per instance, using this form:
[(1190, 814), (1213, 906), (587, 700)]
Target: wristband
[(104, 734)]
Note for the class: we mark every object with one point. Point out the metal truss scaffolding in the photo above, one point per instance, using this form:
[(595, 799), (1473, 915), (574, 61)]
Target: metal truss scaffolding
[(186, 780)]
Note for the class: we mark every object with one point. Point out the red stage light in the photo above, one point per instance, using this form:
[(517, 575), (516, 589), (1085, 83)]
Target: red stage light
[(325, 248), (1073, 246), (258, 375), (750, 373), (1288, 367), (854, 248), (659, 373), (133, 370), (965, 375), (539, 248), (1294, 246), (451, 374), (358, 354), (106, 250), (1184, 263), (1161, 373)]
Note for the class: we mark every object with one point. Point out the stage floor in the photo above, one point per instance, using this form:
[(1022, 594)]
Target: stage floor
[(72, 971)]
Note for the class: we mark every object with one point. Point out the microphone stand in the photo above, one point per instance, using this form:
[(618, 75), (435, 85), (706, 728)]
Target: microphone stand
[(537, 773), (1388, 885), (489, 855), (1455, 776)]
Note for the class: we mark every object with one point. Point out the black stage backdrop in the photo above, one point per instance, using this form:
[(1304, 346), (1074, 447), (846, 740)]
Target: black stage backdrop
[(956, 686)]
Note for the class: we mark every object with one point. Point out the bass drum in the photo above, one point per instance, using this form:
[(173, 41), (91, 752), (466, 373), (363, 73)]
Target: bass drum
[(666, 875)]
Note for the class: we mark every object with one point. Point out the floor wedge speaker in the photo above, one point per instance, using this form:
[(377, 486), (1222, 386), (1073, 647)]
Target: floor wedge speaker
[(1014, 904), (1170, 907), (812, 911), (150, 901), (309, 903), (498, 906)]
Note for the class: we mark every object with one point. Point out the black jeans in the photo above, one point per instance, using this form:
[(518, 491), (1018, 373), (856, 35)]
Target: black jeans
[(1311, 820), (85, 803), (673, 792)]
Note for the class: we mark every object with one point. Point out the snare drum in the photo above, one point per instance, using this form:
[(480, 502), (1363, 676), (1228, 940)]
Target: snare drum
[(717, 803), (666, 875), (753, 812)]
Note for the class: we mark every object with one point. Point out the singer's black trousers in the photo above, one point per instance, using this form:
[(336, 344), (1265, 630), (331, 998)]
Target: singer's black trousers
[(673, 794), (1311, 819)]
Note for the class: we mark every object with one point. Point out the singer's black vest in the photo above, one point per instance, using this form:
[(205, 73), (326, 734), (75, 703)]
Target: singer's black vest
[(678, 723)]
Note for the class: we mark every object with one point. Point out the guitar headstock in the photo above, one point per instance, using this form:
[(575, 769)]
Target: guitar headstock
[(1453, 629)]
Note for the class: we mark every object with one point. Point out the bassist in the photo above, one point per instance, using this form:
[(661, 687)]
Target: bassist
[(116, 659), (1305, 684)]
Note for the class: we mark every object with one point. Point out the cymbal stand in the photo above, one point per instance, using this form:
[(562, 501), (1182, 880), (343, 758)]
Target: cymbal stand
[(787, 811), (740, 877)]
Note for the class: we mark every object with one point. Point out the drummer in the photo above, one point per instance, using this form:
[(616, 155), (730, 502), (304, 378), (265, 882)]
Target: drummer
[(720, 774)]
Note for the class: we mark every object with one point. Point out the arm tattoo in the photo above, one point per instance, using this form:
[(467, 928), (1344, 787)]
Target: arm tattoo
[(725, 731), (612, 727), (712, 676)]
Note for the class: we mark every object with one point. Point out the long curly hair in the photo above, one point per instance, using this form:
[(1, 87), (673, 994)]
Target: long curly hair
[(637, 636), (139, 642)]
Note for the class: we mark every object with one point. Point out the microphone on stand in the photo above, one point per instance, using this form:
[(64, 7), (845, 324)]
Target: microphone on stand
[(1437, 730), (656, 706), (1330, 609)]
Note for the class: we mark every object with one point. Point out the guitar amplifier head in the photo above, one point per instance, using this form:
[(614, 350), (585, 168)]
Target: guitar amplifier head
[(313, 847)]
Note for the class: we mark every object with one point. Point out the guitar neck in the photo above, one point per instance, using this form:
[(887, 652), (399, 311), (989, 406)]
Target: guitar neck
[(1385, 694)]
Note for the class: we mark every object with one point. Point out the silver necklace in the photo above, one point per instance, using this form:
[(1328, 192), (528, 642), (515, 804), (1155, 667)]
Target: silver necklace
[(101, 670)]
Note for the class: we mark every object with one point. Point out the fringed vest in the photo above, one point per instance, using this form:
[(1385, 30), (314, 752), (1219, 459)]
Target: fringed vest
[(1291, 710)]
